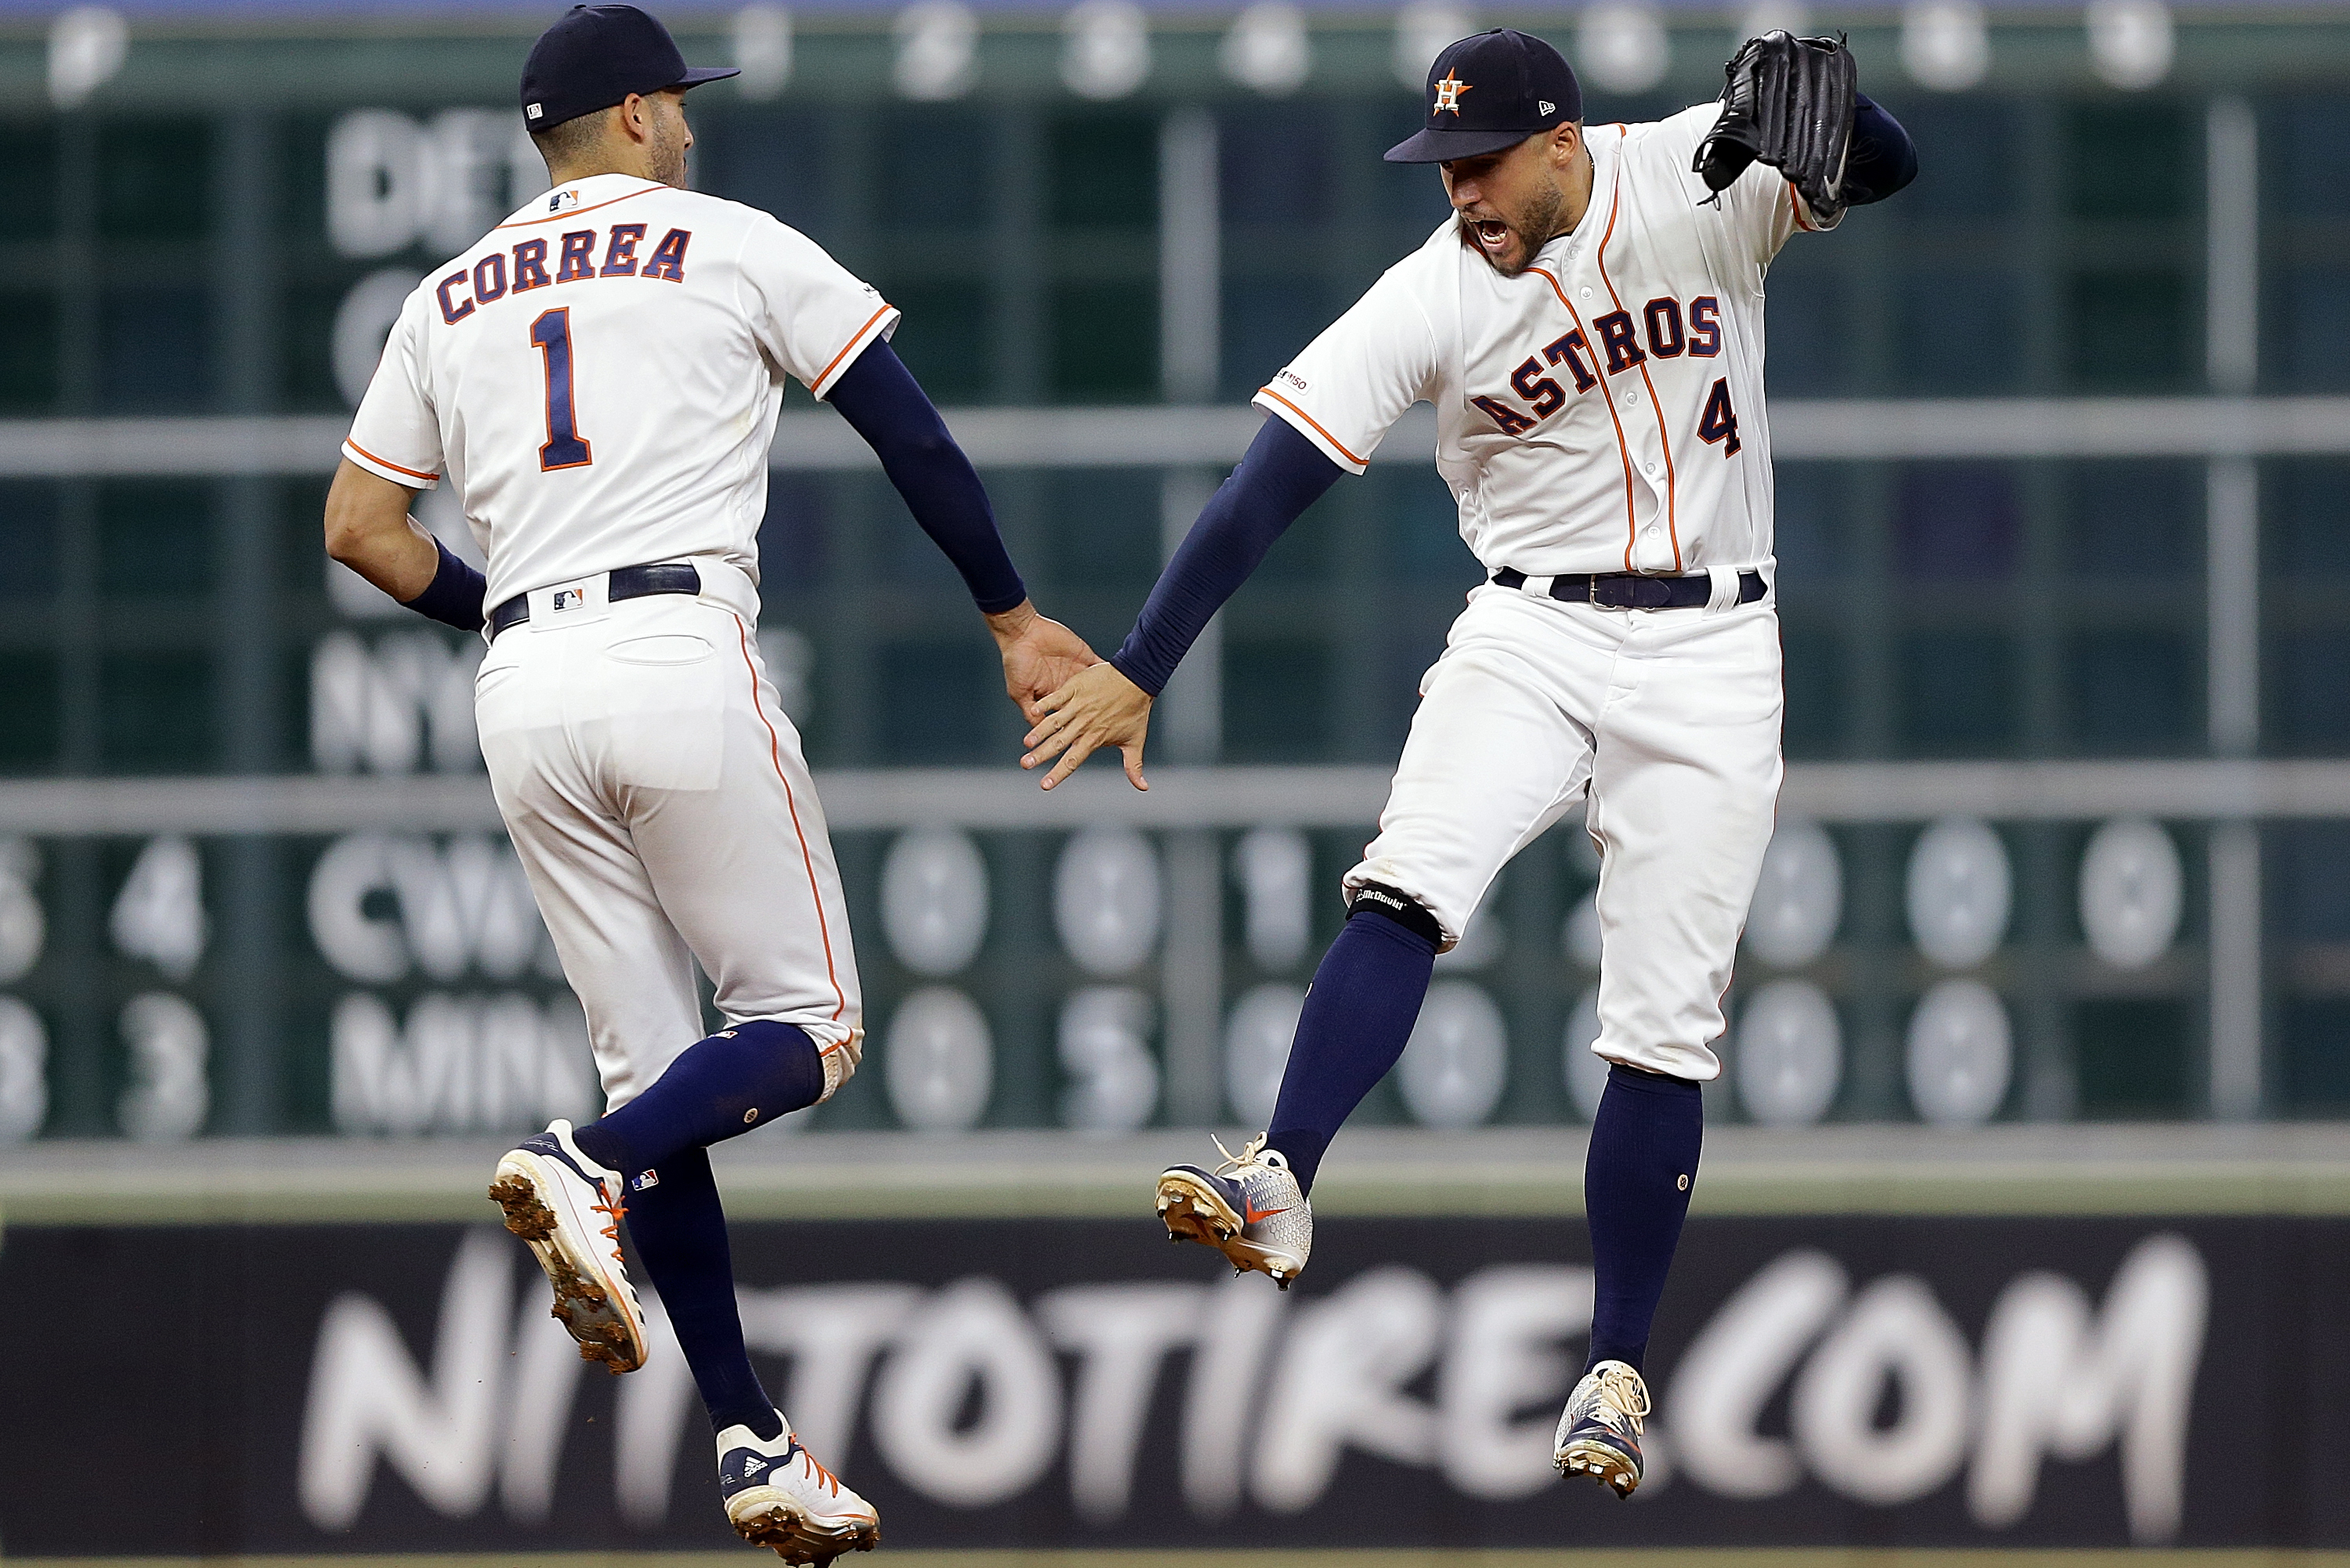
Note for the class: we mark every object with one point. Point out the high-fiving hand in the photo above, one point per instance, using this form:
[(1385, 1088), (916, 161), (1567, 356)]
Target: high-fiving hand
[(1100, 707), (1039, 655)]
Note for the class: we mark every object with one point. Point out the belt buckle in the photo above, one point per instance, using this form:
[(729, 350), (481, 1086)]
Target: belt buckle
[(1627, 598)]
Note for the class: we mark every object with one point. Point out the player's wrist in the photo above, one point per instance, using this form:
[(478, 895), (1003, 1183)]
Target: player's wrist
[(1147, 693), (455, 594), (1009, 625)]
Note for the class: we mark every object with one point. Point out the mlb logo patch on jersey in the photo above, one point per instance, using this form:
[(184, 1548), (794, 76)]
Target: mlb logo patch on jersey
[(561, 201), (565, 604)]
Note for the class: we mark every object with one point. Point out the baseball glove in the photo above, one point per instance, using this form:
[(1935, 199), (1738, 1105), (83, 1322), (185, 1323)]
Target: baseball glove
[(1789, 104)]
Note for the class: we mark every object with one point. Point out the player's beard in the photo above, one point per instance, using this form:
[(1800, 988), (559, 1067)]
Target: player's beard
[(1528, 232), (667, 150)]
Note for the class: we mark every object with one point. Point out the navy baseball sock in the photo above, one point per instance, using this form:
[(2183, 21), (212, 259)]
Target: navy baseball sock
[(1636, 1193), (737, 1079), (680, 1229), (1357, 1019)]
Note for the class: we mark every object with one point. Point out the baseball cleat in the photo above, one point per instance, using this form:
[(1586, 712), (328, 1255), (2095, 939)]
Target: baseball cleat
[(553, 1196), (1249, 1209), (777, 1495), (1599, 1435)]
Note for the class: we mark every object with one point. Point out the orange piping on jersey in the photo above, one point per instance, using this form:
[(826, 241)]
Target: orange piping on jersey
[(1672, 503), (1309, 418), (1607, 397), (776, 756), (566, 217), (1795, 202), (1607, 392), (826, 374), (388, 463)]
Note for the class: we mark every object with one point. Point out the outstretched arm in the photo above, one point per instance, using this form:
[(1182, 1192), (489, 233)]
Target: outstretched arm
[(883, 403), (1109, 705)]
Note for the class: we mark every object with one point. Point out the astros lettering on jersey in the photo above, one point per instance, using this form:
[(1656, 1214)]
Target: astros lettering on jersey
[(1602, 411), (665, 453)]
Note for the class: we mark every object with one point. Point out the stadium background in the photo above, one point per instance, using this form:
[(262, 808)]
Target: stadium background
[(2055, 926)]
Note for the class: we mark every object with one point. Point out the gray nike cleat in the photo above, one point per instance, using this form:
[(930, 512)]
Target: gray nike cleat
[(777, 1495), (554, 1196), (1249, 1208), (1599, 1435)]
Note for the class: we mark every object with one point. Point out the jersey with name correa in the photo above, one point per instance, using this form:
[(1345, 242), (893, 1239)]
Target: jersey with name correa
[(599, 377), (1602, 411)]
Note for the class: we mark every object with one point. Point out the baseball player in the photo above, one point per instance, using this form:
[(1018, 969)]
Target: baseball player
[(598, 377), (1588, 324)]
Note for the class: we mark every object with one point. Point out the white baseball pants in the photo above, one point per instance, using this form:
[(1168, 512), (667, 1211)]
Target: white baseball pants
[(1670, 721), (658, 799)]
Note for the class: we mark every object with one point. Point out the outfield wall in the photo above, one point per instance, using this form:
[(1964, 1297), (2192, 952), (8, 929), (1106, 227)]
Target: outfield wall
[(2051, 1370)]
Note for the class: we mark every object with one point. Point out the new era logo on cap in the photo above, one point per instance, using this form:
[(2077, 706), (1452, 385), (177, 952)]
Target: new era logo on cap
[(534, 111)]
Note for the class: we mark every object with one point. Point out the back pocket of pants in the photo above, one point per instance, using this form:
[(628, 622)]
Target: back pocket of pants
[(661, 648), (664, 698)]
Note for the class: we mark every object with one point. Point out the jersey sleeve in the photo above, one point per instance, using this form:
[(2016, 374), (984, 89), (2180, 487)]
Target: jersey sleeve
[(1356, 379), (396, 435), (812, 315), (1762, 207)]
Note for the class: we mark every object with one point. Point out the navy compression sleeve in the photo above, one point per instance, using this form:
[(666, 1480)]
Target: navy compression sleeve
[(1282, 474), (1882, 157), (454, 595), (882, 402)]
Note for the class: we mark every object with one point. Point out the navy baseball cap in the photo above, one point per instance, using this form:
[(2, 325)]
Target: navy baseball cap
[(1492, 91), (595, 57)]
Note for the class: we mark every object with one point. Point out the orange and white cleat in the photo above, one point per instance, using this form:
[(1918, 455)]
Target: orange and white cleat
[(568, 1208), (777, 1495)]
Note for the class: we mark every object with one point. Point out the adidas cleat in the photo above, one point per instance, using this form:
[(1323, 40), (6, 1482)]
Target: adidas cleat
[(777, 1495), (1249, 1208), (1599, 1435), (568, 1208)]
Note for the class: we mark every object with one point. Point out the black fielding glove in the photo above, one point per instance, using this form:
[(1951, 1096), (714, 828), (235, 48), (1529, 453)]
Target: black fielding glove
[(1788, 103)]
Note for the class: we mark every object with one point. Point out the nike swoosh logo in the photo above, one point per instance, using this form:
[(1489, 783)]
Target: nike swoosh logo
[(1256, 1214)]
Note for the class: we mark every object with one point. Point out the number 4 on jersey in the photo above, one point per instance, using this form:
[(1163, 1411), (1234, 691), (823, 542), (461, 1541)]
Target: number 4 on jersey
[(1720, 422), (564, 449)]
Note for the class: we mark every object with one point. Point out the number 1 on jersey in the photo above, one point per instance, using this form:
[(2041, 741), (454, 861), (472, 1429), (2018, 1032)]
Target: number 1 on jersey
[(564, 448)]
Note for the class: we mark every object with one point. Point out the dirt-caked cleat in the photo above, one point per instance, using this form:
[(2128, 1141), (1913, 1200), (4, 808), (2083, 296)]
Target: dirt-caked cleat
[(777, 1495), (1599, 1435), (1249, 1209), (568, 1208)]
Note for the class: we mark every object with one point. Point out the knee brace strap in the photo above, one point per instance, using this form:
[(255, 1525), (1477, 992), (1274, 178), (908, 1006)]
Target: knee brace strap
[(1373, 899)]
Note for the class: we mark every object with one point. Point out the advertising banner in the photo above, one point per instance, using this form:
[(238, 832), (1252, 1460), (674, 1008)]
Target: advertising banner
[(1817, 1381)]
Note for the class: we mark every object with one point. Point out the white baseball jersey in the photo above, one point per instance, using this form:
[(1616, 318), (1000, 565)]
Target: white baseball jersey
[(599, 377), (1602, 411)]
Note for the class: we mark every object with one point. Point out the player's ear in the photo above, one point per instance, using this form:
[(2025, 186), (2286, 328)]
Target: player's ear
[(636, 118)]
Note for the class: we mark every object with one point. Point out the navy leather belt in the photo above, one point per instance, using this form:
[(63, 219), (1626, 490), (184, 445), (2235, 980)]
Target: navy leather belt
[(626, 583), (1635, 590)]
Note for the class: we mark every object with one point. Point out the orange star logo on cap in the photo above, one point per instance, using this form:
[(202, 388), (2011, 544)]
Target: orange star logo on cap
[(1448, 94)]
